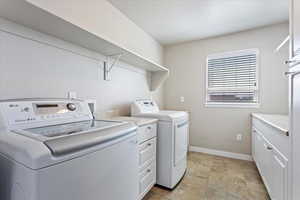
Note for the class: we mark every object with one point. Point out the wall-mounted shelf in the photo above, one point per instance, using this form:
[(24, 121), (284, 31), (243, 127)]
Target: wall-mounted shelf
[(24, 13)]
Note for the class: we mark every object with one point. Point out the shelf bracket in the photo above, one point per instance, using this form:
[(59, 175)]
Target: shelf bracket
[(108, 67), (283, 43)]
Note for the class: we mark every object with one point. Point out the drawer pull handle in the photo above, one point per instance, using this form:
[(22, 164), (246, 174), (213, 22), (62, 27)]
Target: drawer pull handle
[(290, 62), (182, 124), (149, 128), (291, 73), (149, 144), (148, 170)]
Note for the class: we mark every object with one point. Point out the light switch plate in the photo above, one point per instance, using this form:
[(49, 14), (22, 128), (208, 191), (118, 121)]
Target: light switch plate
[(239, 137)]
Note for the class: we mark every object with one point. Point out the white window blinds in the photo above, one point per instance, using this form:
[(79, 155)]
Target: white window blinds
[(232, 77)]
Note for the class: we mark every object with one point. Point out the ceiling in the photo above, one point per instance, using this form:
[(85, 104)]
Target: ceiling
[(175, 21)]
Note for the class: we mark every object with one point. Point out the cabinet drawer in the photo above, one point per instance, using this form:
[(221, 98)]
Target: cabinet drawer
[(147, 179), (274, 136), (146, 132), (147, 151), (279, 182)]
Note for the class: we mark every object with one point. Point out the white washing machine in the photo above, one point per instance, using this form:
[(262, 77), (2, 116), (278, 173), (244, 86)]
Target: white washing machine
[(54, 149), (172, 140)]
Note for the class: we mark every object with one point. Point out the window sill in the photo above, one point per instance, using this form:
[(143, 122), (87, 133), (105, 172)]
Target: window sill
[(232, 105)]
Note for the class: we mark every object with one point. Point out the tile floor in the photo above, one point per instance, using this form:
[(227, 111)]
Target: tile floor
[(215, 178)]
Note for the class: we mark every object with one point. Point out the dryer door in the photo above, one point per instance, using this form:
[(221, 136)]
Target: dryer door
[(181, 141)]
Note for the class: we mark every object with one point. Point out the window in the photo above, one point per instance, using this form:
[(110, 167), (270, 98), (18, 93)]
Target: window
[(232, 78)]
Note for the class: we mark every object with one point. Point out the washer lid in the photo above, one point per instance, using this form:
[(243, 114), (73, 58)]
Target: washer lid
[(165, 115), (66, 145), (67, 138), (67, 129)]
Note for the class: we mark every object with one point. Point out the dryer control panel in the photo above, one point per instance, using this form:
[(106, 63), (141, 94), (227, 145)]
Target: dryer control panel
[(144, 106), (20, 114)]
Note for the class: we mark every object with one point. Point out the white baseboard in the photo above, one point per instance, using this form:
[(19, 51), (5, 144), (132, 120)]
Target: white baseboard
[(221, 153)]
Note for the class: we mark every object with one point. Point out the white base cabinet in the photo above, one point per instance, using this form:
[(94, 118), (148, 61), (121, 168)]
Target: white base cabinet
[(147, 139), (271, 157), (147, 158)]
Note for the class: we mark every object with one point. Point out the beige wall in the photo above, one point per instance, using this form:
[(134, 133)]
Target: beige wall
[(34, 69), (103, 19), (216, 128)]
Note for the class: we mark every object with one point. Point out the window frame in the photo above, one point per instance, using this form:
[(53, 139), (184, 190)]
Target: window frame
[(234, 104)]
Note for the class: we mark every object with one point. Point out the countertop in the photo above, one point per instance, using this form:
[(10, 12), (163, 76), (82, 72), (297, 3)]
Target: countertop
[(139, 121), (280, 122)]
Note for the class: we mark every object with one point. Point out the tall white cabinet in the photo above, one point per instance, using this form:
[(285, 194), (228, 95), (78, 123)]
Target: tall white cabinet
[(295, 32), (294, 80), (295, 133)]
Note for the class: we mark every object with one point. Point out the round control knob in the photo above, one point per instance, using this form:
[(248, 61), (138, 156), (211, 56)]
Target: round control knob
[(71, 106)]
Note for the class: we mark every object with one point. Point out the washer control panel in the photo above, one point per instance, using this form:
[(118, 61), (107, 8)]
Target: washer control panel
[(28, 114)]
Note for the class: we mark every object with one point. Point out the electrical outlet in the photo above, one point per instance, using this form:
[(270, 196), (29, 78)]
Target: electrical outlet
[(239, 137), (72, 95), (182, 99)]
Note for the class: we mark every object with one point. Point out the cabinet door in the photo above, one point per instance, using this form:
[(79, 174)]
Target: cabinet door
[(295, 29), (256, 148), (263, 159), (268, 173), (253, 144), (181, 141), (279, 176), (294, 176), (259, 151)]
